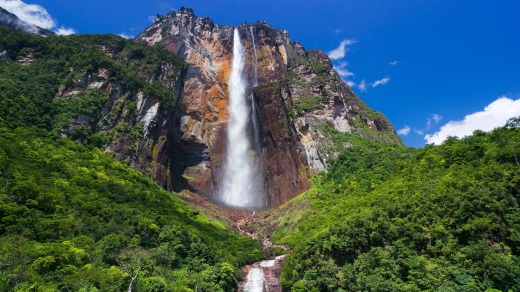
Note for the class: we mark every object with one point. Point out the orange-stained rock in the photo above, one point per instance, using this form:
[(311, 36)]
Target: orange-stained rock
[(288, 77)]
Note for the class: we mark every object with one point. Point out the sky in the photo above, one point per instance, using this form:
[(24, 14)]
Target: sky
[(434, 68)]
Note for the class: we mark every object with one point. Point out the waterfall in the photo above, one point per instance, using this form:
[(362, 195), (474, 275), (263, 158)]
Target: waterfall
[(240, 183), (256, 123), (251, 29)]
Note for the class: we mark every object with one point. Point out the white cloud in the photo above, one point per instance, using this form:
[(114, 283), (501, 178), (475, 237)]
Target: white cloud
[(350, 83), (336, 31), (362, 86), (404, 131), (393, 63), (380, 81), (418, 132), (34, 14), (341, 50), (494, 115), (434, 119), (342, 70), (64, 31), (125, 35), (31, 13)]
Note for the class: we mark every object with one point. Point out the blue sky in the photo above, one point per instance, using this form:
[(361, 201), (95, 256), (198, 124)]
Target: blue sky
[(433, 67)]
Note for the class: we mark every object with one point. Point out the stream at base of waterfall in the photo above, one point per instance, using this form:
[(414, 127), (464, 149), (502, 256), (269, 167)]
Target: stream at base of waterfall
[(263, 276)]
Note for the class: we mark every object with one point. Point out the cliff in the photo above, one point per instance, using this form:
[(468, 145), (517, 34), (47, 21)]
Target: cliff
[(298, 92), (162, 106), (98, 89)]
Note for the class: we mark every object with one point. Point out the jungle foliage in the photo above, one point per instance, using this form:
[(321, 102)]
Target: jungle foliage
[(390, 218), (74, 219), (34, 69), (71, 217)]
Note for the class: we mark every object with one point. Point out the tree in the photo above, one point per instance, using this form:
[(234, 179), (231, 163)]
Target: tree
[(132, 261), (513, 123)]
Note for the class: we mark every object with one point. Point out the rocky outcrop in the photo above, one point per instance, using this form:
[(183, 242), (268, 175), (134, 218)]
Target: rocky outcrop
[(298, 93), (125, 115)]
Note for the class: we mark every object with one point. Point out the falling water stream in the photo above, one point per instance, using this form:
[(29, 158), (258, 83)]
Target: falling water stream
[(254, 116), (252, 30), (241, 185)]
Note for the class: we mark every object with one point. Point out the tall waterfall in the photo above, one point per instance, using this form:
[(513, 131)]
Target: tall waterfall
[(251, 29), (239, 187), (256, 122)]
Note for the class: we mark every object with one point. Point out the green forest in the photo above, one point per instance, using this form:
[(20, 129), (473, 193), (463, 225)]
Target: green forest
[(381, 218), (72, 218), (392, 218)]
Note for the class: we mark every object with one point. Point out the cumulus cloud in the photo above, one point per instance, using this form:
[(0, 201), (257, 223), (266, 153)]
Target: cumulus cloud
[(379, 82), (494, 115), (362, 86), (34, 14), (350, 83), (342, 70), (341, 50), (404, 131), (31, 13)]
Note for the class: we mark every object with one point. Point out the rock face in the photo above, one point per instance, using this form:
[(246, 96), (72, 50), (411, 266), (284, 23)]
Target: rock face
[(298, 93), (9, 20), (132, 120)]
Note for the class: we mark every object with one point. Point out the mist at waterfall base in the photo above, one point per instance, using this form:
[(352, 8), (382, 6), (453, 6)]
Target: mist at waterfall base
[(242, 184)]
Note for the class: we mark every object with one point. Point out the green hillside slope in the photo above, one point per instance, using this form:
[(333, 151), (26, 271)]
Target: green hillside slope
[(443, 218), (72, 218)]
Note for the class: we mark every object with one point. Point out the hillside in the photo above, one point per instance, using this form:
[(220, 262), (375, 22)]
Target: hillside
[(394, 218), (73, 218)]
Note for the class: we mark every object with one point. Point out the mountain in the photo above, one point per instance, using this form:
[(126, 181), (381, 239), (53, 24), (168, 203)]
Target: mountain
[(167, 117), (296, 94), (9, 20), (96, 130)]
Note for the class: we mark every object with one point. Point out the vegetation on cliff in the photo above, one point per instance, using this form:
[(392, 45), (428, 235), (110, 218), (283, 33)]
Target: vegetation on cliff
[(73, 219), (33, 70), (393, 218)]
